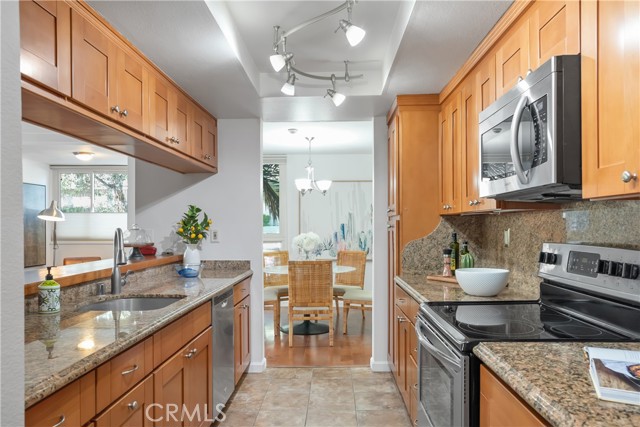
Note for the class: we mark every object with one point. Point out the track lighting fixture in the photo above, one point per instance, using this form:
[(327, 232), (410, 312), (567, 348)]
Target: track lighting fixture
[(281, 58)]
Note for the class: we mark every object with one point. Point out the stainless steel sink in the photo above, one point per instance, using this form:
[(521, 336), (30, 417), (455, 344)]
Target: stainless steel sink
[(131, 304)]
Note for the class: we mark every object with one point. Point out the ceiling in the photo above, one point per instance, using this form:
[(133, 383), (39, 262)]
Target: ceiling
[(218, 51)]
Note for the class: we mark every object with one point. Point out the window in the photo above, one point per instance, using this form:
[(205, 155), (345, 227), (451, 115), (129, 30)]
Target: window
[(273, 198), (94, 200)]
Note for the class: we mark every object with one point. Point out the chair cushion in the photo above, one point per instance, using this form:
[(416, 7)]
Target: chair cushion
[(340, 289), (357, 295)]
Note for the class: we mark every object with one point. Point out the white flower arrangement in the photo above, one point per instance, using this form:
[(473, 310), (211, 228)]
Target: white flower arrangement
[(307, 242)]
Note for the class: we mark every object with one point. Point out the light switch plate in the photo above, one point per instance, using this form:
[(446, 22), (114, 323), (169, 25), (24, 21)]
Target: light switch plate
[(507, 237), (215, 237)]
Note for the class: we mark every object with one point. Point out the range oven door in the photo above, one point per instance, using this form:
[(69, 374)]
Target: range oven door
[(443, 388)]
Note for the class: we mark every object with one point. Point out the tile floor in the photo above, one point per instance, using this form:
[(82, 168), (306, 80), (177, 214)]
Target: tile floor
[(316, 397)]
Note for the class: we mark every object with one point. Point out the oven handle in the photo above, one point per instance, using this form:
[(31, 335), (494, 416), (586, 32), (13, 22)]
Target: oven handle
[(424, 341), (515, 129)]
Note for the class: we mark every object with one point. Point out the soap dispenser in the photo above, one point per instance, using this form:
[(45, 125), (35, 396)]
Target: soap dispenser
[(49, 294)]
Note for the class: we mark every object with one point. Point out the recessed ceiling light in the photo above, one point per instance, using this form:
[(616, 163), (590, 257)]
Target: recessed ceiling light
[(85, 156)]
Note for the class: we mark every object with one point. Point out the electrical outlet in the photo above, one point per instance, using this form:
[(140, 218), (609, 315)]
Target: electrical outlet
[(507, 237), (215, 236)]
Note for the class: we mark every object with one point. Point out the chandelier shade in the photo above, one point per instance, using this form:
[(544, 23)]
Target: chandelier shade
[(308, 184)]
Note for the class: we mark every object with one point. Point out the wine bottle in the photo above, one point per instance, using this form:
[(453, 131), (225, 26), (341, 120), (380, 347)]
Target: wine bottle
[(455, 253)]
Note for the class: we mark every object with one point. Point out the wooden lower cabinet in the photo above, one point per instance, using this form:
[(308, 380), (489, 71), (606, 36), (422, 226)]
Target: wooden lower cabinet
[(242, 346), (499, 405), (132, 409), (405, 371)]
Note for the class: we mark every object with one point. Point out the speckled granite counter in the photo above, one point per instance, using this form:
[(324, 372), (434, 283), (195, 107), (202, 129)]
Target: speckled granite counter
[(554, 379), (418, 287), (62, 347)]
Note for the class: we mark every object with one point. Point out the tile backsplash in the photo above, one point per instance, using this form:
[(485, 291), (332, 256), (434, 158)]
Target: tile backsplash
[(602, 223)]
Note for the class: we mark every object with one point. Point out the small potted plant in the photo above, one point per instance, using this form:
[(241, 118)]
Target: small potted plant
[(192, 230)]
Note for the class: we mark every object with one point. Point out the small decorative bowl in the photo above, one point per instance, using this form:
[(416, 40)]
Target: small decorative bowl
[(188, 270), (482, 282)]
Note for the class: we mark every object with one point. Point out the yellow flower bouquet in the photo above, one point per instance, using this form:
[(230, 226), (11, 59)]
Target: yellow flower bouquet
[(190, 228)]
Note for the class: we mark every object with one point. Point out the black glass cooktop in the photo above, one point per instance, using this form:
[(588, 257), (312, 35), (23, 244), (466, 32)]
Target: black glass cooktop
[(469, 323)]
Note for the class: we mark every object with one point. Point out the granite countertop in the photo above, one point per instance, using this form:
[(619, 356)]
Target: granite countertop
[(60, 348), (553, 378), (423, 290)]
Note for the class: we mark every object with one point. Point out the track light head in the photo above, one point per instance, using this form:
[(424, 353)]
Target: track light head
[(336, 97), (289, 87), (354, 33)]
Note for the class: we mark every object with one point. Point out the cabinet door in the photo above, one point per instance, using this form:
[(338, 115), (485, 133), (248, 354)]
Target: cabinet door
[(131, 409), (179, 121), (198, 130), (512, 58), (450, 147), (94, 65), (198, 377), (610, 99), (160, 110), (392, 341), (554, 30), (132, 92), (469, 147), (210, 141), (45, 43), (402, 342), (169, 389), (241, 338), (392, 147)]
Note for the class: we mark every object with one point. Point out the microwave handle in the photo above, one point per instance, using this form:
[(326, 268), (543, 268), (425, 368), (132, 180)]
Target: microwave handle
[(515, 129)]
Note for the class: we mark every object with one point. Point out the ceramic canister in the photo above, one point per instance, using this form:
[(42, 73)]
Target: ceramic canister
[(49, 295)]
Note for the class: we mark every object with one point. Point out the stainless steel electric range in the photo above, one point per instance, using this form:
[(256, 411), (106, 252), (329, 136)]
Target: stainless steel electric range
[(587, 293)]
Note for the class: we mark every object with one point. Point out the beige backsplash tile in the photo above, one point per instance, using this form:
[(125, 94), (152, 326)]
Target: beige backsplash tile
[(603, 223)]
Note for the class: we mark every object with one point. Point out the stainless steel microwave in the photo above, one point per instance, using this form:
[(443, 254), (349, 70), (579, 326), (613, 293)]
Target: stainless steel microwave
[(530, 137)]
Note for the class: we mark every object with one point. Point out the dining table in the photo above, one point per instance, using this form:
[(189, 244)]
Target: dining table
[(306, 327)]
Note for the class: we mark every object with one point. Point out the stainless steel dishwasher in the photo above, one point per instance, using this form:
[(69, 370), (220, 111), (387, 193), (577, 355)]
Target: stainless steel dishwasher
[(223, 350)]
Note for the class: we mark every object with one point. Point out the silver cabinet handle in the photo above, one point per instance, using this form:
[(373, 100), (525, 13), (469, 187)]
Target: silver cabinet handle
[(177, 141), (115, 109), (130, 371), (389, 210), (476, 202), (401, 319), (133, 405), (628, 176), (415, 386), (191, 353), (245, 306), (470, 202), (61, 422), (124, 113)]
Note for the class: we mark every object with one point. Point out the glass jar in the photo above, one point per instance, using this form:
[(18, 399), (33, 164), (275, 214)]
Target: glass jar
[(446, 258)]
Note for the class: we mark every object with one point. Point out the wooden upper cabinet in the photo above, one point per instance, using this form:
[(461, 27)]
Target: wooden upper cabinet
[(554, 30), (106, 78), (204, 137), (512, 58), (469, 147), (169, 117), (392, 147), (45, 43), (610, 99), (450, 154)]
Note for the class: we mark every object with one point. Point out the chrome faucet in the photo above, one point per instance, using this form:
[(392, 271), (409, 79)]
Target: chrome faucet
[(119, 258)]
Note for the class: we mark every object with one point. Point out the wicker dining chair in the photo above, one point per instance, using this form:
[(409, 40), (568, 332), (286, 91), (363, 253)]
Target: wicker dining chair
[(352, 280), (276, 286), (310, 294)]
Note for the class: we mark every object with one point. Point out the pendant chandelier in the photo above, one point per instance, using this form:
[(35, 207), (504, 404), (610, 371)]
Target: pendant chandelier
[(308, 184), (281, 59)]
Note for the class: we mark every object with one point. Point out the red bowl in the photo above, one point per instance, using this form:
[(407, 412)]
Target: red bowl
[(148, 250)]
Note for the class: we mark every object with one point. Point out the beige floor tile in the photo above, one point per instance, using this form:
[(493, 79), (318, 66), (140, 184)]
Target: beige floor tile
[(234, 418), (281, 418), (383, 384), (289, 373), (377, 401), (253, 396), (383, 418), (365, 371), (286, 400), (317, 417), (297, 385), (333, 401), (331, 373)]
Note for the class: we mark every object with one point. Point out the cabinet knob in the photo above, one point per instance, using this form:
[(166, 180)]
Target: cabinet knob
[(476, 202), (189, 354), (177, 141), (130, 371), (245, 306), (133, 405), (115, 109), (61, 422), (415, 386), (401, 319), (628, 176), (124, 113), (471, 203)]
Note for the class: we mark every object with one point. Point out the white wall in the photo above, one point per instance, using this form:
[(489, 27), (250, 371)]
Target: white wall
[(231, 198), (11, 223), (380, 271), (344, 167)]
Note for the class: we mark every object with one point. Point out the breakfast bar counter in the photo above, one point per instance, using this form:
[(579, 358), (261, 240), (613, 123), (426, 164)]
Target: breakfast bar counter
[(553, 378)]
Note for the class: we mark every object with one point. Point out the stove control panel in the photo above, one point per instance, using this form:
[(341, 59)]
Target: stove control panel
[(607, 271)]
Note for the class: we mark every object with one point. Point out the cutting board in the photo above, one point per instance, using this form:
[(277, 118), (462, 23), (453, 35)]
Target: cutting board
[(448, 279)]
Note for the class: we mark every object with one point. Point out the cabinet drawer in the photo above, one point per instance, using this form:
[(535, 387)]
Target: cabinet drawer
[(75, 404), (200, 319), (130, 409), (121, 373), (241, 290), (402, 300)]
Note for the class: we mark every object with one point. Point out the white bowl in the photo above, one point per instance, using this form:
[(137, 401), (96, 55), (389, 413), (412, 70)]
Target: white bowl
[(482, 282)]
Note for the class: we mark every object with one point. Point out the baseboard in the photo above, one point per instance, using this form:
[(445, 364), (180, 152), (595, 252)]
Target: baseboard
[(381, 366), (259, 366)]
